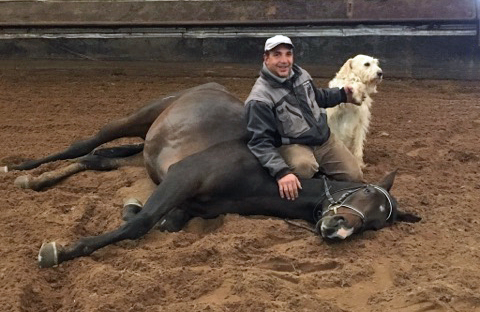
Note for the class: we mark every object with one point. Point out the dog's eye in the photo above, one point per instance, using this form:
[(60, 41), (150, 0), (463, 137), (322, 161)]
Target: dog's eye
[(367, 64)]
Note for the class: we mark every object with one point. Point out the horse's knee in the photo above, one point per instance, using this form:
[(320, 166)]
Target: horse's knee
[(174, 221), (99, 163), (136, 227), (119, 151)]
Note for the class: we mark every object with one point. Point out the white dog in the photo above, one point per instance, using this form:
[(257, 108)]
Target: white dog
[(350, 122)]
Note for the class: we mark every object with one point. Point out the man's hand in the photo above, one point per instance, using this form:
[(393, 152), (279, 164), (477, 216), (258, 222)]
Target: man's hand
[(349, 92), (288, 186)]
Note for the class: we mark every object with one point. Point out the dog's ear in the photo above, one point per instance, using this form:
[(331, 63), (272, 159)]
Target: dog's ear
[(346, 69)]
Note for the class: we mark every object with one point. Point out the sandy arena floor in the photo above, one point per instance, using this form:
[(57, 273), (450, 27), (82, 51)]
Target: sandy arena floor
[(430, 130)]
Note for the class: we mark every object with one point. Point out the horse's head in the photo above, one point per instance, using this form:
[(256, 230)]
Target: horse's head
[(360, 208)]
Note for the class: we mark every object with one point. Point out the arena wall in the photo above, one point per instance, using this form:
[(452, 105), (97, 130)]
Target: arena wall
[(420, 39)]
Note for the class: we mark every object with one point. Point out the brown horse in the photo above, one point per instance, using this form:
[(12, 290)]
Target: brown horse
[(195, 150)]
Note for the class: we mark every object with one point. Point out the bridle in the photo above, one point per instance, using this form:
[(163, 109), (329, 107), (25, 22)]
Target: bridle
[(319, 215), (340, 203)]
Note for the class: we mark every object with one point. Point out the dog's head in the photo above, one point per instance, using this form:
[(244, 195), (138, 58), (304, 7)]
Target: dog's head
[(364, 69)]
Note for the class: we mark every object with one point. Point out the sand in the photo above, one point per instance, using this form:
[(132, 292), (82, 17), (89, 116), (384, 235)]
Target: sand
[(429, 130)]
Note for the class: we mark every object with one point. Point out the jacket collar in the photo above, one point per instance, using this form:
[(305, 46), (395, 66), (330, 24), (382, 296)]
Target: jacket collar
[(278, 82)]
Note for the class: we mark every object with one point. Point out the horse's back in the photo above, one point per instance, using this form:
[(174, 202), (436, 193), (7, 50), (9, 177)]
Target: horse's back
[(198, 119)]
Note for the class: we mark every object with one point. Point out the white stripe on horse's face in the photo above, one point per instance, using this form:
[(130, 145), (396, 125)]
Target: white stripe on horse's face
[(382, 208), (341, 233)]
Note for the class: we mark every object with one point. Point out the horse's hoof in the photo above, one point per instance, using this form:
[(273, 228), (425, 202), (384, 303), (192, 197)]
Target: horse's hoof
[(48, 255), (4, 169), (132, 201), (23, 181)]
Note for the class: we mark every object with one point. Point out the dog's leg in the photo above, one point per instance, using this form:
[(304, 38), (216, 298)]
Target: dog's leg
[(359, 140)]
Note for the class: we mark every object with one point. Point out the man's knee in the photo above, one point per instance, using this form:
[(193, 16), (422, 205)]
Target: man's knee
[(300, 159), (355, 175), (304, 167), (351, 174)]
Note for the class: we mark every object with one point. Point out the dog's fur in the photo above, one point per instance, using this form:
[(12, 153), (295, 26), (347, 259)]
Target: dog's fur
[(350, 122)]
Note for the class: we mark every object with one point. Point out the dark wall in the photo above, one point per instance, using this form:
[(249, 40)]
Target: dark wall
[(435, 56), (420, 39)]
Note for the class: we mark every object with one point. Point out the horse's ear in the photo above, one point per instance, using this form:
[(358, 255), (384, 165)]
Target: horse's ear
[(345, 69), (407, 217), (387, 180)]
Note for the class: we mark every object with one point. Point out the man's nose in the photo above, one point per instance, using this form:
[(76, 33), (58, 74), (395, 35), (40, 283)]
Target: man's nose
[(284, 59)]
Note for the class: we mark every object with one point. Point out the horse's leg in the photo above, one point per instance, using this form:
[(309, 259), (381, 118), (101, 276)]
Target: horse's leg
[(48, 178), (131, 207), (171, 193), (173, 221), (90, 162), (119, 151), (135, 125)]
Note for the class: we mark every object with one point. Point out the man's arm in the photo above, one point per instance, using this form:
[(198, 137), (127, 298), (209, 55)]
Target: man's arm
[(330, 97), (263, 128)]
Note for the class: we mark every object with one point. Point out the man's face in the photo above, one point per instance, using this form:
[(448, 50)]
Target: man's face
[(279, 60)]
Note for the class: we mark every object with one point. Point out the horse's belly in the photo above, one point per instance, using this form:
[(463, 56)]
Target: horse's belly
[(192, 124)]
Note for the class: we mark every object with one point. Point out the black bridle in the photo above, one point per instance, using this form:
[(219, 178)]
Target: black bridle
[(319, 214)]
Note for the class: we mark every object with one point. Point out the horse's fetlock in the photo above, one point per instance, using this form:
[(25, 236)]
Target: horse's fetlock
[(87, 250), (83, 247)]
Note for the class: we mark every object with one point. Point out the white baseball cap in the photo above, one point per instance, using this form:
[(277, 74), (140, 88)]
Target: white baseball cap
[(276, 40)]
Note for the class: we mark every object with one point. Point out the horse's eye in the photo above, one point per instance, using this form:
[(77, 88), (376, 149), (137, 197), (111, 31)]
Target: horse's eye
[(367, 191), (367, 64)]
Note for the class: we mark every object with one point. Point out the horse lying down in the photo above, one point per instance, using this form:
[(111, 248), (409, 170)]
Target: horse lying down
[(195, 150)]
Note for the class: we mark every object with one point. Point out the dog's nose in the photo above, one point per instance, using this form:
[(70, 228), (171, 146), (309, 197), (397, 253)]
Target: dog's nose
[(379, 74)]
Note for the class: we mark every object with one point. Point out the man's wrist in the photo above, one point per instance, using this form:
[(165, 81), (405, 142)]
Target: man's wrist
[(343, 95), (282, 173)]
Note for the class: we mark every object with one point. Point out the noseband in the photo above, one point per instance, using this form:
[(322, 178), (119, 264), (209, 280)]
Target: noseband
[(335, 204)]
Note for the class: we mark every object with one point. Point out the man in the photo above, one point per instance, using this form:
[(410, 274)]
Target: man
[(288, 123)]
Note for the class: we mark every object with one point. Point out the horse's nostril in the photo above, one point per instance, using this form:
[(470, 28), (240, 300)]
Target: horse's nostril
[(380, 74), (339, 221)]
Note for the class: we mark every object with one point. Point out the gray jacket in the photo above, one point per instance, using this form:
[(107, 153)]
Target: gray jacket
[(288, 112)]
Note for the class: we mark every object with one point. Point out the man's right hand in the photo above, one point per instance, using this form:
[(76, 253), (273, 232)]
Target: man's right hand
[(288, 186)]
